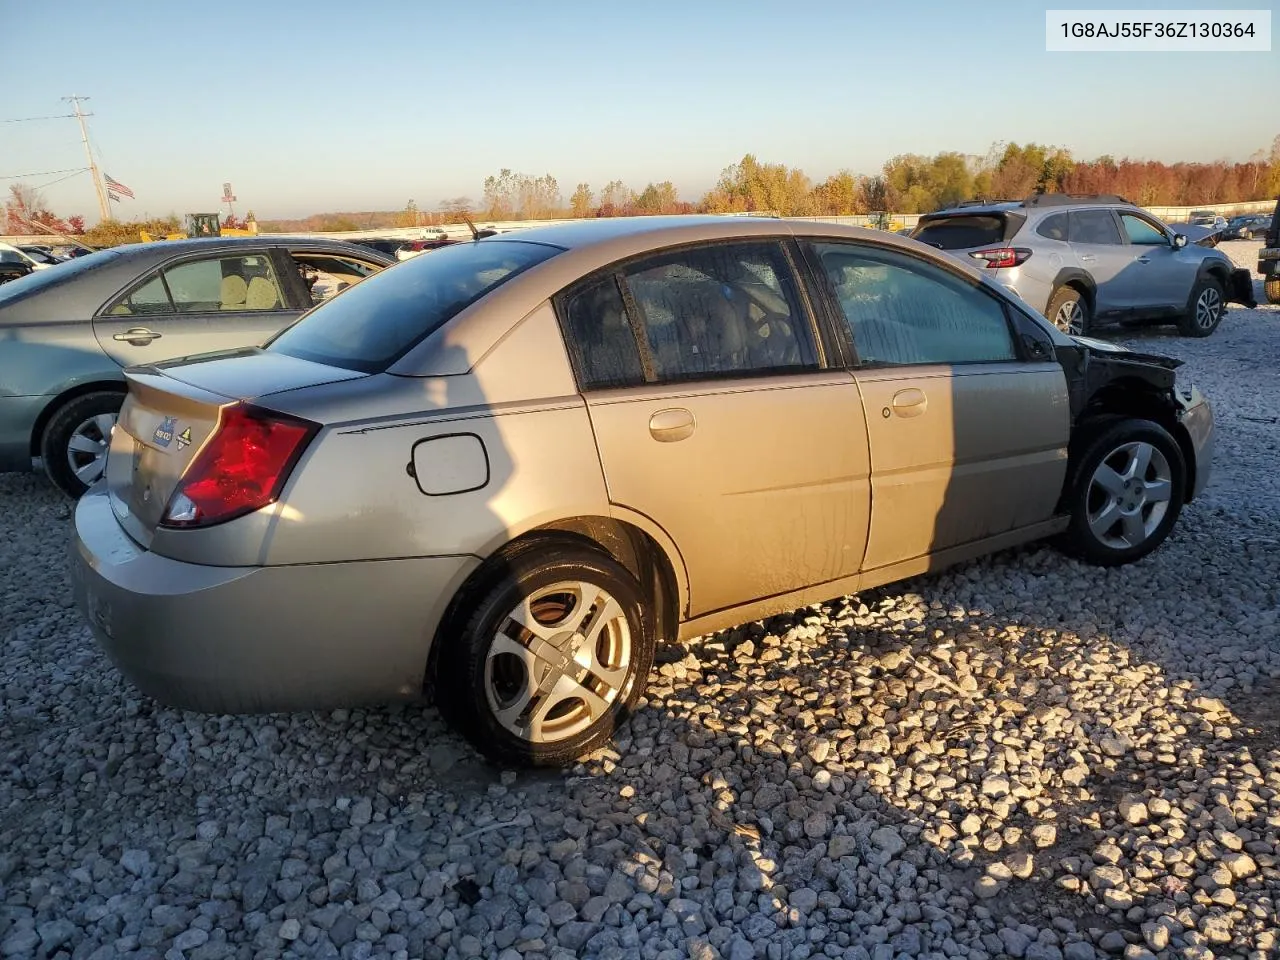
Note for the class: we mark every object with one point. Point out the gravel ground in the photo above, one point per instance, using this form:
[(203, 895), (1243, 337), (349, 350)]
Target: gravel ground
[(1021, 757)]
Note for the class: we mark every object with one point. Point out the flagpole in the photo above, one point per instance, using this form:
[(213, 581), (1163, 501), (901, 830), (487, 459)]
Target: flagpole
[(103, 207)]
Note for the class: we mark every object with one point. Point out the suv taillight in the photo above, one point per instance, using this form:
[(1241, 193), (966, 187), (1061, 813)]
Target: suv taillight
[(240, 469), (997, 257)]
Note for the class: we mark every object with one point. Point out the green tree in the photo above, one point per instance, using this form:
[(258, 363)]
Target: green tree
[(658, 198)]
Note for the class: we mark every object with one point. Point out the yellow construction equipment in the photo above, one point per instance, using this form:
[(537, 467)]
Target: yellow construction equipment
[(205, 225)]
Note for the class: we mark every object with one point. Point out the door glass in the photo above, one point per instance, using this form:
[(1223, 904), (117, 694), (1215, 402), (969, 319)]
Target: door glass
[(1141, 232), (145, 301), (1094, 226), (239, 284), (903, 311), (599, 338), (722, 310)]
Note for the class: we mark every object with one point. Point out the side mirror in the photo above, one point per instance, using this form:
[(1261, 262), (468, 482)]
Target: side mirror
[(1179, 241)]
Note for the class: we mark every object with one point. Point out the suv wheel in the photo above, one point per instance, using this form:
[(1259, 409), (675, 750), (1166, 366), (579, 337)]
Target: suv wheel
[(1127, 490), (74, 444), (1205, 308), (552, 660), (1272, 289), (1068, 310)]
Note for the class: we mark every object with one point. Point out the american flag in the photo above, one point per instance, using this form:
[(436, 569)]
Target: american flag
[(116, 186)]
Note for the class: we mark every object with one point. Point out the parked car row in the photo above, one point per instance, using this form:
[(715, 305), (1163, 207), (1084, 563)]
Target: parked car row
[(1085, 260)]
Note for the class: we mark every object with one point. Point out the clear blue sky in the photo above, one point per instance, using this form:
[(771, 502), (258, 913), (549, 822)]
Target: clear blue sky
[(324, 106)]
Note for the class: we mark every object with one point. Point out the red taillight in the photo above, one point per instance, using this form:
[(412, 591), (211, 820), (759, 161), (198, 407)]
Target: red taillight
[(998, 257), (240, 469)]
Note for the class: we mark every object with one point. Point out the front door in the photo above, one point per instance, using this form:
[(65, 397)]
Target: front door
[(1162, 277), (968, 440), (195, 305), (714, 418)]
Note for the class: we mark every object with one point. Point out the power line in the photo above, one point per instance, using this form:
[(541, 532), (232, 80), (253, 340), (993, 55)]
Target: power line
[(50, 183), (59, 116), (42, 173)]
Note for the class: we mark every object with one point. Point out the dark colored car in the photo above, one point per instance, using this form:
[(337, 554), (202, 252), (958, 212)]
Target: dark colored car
[(67, 332), (387, 245), (1251, 227), (12, 270), (1269, 257)]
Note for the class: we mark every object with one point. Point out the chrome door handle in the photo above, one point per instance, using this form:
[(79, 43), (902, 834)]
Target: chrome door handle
[(910, 402), (1087, 258), (1144, 259), (138, 336), (672, 424)]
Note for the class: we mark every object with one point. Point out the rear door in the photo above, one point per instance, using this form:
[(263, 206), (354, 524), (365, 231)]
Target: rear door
[(716, 417), (968, 437), (1102, 253), (215, 301)]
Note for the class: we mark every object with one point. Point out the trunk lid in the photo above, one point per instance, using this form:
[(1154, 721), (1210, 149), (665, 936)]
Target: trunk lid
[(171, 411)]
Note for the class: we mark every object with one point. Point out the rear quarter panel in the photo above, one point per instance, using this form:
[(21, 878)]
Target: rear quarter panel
[(353, 496), (38, 363)]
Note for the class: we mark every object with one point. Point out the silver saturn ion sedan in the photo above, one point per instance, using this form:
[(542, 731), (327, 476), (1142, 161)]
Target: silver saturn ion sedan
[(505, 472)]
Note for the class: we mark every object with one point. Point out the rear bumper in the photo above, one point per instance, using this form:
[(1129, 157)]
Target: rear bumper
[(258, 639)]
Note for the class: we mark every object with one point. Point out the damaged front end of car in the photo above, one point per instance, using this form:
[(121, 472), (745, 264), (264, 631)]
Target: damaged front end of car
[(1106, 380)]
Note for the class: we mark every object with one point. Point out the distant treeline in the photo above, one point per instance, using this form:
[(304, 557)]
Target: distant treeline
[(909, 183)]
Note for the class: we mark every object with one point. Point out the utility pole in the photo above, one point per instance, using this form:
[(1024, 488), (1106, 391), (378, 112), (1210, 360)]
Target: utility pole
[(103, 206)]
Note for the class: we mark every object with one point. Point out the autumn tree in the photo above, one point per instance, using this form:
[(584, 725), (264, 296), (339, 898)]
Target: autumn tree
[(580, 202), (456, 208), (750, 186), (658, 198)]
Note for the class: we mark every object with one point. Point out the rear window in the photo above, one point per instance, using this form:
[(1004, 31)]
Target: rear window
[(967, 230), (39, 280), (380, 319)]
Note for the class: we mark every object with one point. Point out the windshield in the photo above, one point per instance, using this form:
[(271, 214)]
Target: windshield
[(378, 320), (33, 283)]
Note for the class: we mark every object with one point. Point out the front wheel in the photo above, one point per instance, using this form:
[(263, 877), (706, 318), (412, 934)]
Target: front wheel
[(74, 445), (1205, 308), (1127, 489), (551, 661)]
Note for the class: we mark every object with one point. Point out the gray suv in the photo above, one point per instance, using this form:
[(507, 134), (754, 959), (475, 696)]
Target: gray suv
[(1081, 260)]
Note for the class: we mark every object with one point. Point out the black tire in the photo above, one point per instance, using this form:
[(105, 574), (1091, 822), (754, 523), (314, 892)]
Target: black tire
[(1272, 289), (462, 687), (60, 429), (1060, 300), (1105, 443), (1191, 323)]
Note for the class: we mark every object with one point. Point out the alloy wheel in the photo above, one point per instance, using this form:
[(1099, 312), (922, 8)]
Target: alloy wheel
[(1129, 495), (559, 662), (87, 448), (1208, 308), (1070, 318)]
